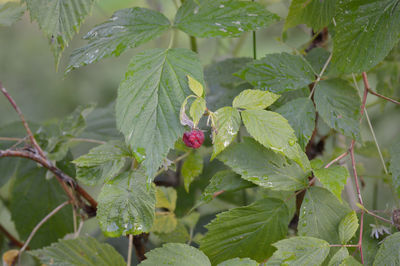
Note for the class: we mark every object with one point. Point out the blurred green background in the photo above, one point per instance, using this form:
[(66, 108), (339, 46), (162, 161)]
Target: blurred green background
[(27, 66)]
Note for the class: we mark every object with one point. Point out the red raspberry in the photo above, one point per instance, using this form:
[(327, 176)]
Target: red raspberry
[(193, 139)]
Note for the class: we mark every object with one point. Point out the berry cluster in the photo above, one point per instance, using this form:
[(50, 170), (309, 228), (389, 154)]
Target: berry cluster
[(193, 138)]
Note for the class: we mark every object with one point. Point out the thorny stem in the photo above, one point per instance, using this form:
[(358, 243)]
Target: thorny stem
[(13, 240), (320, 75), (383, 97), (45, 219)]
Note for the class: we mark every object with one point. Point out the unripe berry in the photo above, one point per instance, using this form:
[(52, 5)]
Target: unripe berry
[(193, 139)]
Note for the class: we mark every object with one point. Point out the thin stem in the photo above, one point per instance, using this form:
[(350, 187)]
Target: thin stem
[(193, 44), (377, 216), (383, 97), (376, 142), (337, 159), (130, 247), (372, 129), (346, 246), (77, 233), (45, 219), (320, 76), (171, 39), (353, 163), (74, 219), (254, 43), (366, 88), (10, 139), (88, 140), (21, 116), (61, 176), (13, 239), (183, 156)]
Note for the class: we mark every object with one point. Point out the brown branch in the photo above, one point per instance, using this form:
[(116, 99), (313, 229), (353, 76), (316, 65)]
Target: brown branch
[(139, 246), (383, 97), (37, 227), (60, 175), (21, 116), (13, 240), (353, 164), (36, 154)]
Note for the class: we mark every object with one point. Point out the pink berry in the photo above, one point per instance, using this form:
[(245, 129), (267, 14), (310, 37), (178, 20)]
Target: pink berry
[(193, 139)]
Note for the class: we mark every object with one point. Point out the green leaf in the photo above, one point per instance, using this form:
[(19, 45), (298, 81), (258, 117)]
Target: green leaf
[(195, 86), (239, 262), (348, 227), (339, 256), (225, 180), (197, 110), (300, 114), (394, 167), (298, 251), (71, 126), (320, 203), (191, 168), (246, 231), (179, 235), (333, 179), (388, 253), (317, 58), (350, 261), (177, 255), (79, 251), (315, 13), (102, 163), (278, 73), (222, 18), (264, 167), (228, 125), (338, 103), (166, 198), (372, 28), (273, 131), (127, 28), (126, 205), (59, 20), (10, 12), (254, 99), (164, 222), (150, 98), (100, 124), (223, 86), (32, 198)]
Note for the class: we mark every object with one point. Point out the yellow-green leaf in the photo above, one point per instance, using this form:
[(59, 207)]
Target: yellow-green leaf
[(195, 86)]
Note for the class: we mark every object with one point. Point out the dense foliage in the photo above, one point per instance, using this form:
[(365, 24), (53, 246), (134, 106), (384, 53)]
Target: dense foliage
[(246, 161)]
